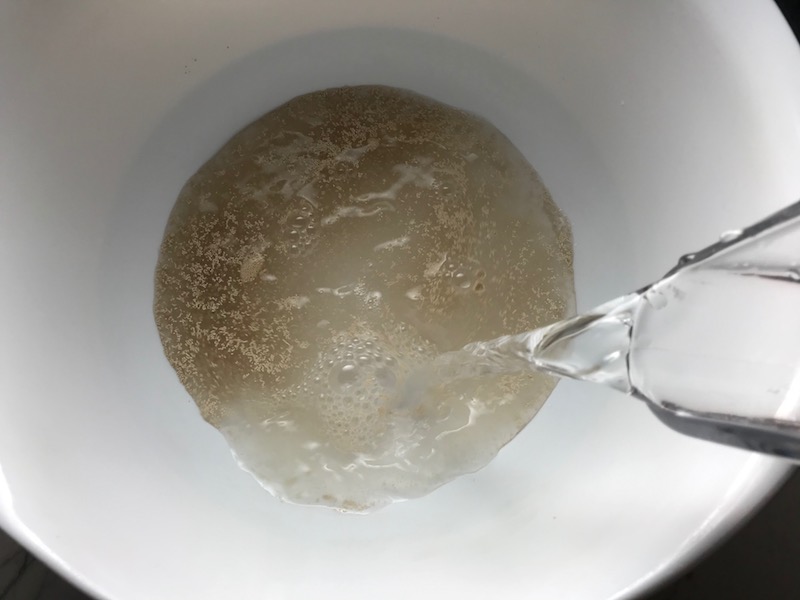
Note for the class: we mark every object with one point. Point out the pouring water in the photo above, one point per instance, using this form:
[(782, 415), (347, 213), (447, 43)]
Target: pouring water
[(713, 347)]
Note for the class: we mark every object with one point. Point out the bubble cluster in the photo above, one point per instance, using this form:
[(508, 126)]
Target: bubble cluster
[(300, 227), (356, 383), (466, 276)]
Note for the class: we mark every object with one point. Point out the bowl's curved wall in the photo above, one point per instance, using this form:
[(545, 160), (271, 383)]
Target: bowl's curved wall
[(654, 125)]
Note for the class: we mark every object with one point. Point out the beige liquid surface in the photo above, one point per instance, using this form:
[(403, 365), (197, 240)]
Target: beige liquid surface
[(331, 248)]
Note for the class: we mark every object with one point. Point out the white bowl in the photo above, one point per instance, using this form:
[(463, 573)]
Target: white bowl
[(656, 125)]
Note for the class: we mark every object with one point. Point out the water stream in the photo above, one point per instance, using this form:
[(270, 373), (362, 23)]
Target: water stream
[(712, 347)]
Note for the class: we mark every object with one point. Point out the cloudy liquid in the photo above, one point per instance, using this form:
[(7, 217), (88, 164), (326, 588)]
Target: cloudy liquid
[(329, 249)]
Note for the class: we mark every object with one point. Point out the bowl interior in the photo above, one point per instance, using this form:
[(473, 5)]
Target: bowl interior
[(654, 125)]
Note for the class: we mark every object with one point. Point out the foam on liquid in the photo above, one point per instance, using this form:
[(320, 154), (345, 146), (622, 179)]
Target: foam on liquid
[(334, 246)]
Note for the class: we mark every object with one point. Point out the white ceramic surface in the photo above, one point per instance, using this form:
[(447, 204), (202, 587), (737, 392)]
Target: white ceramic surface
[(655, 125)]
